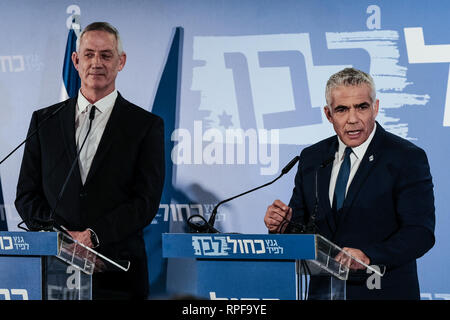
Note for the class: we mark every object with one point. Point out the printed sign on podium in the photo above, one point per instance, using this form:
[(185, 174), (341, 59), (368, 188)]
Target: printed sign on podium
[(48, 266), (258, 266)]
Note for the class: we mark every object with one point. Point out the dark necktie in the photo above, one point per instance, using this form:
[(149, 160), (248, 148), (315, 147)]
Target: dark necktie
[(342, 179)]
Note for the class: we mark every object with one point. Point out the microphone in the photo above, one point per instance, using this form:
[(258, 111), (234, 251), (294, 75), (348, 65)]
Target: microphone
[(91, 118), (289, 166), (311, 225), (49, 224), (34, 131), (38, 222), (294, 227), (204, 226), (327, 162)]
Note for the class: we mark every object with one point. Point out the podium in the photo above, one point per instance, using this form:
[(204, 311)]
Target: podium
[(48, 266), (260, 266)]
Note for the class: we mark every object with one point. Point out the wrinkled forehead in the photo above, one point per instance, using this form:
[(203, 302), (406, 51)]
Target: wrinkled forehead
[(98, 40), (353, 94)]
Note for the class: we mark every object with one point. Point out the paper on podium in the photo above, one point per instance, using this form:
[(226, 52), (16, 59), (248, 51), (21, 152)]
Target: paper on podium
[(85, 258)]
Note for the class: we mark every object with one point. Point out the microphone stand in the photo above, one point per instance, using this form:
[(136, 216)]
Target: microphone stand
[(33, 132), (212, 218), (311, 225), (209, 226), (91, 118), (50, 224)]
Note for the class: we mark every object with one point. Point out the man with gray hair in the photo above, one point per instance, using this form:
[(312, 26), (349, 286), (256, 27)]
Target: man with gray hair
[(118, 147), (374, 194)]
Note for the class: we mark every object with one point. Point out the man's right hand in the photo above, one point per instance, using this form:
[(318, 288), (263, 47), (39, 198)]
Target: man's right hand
[(277, 216)]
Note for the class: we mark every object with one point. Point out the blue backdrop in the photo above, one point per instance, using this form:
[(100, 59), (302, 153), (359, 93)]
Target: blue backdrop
[(241, 87)]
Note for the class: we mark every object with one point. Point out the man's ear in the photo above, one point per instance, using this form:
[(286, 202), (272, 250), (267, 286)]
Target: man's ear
[(75, 59), (376, 106), (122, 61), (327, 112)]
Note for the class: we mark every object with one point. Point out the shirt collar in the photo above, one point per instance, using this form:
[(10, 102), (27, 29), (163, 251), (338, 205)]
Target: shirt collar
[(358, 151), (101, 105)]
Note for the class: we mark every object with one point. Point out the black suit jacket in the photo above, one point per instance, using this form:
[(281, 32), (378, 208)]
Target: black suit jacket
[(122, 190), (388, 212)]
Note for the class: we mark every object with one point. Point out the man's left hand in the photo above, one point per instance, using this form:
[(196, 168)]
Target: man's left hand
[(350, 263), (84, 237)]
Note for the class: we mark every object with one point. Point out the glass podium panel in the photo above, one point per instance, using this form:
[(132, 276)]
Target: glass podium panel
[(76, 254), (65, 282), (85, 258), (325, 262), (329, 271), (68, 275)]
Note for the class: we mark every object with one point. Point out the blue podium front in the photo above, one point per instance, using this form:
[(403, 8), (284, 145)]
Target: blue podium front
[(238, 266), (21, 266), (44, 266)]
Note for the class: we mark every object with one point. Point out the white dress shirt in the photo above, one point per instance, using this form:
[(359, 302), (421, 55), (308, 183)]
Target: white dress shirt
[(355, 160), (103, 110)]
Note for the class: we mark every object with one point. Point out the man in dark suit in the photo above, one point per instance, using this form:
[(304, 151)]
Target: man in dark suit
[(375, 199), (115, 189)]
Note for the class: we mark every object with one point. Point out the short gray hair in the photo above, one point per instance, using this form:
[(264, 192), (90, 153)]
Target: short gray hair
[(102, 26), (349, 77)]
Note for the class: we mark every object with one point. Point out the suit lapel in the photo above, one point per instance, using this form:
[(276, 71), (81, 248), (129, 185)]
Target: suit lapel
[(107, 137), (367, 163), (67, 121), (323, 180)]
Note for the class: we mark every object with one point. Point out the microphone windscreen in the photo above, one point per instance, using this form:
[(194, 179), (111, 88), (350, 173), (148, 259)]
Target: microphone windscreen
[(289, 166)]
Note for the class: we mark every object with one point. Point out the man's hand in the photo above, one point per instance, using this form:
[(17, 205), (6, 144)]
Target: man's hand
[(277, 216), (350, 263), (84, 237)]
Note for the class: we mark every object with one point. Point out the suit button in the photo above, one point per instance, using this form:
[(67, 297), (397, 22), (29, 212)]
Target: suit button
[(83, 194)]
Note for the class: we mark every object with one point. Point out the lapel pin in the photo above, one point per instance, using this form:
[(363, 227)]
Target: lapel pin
[(371, 158)]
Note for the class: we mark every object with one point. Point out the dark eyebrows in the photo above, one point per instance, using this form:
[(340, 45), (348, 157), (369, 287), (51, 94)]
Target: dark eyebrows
[(102, 51), (340, 107), (364, 104), (359, 105)]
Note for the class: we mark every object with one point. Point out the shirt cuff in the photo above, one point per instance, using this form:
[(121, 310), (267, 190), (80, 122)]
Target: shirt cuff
[(94, 238)]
